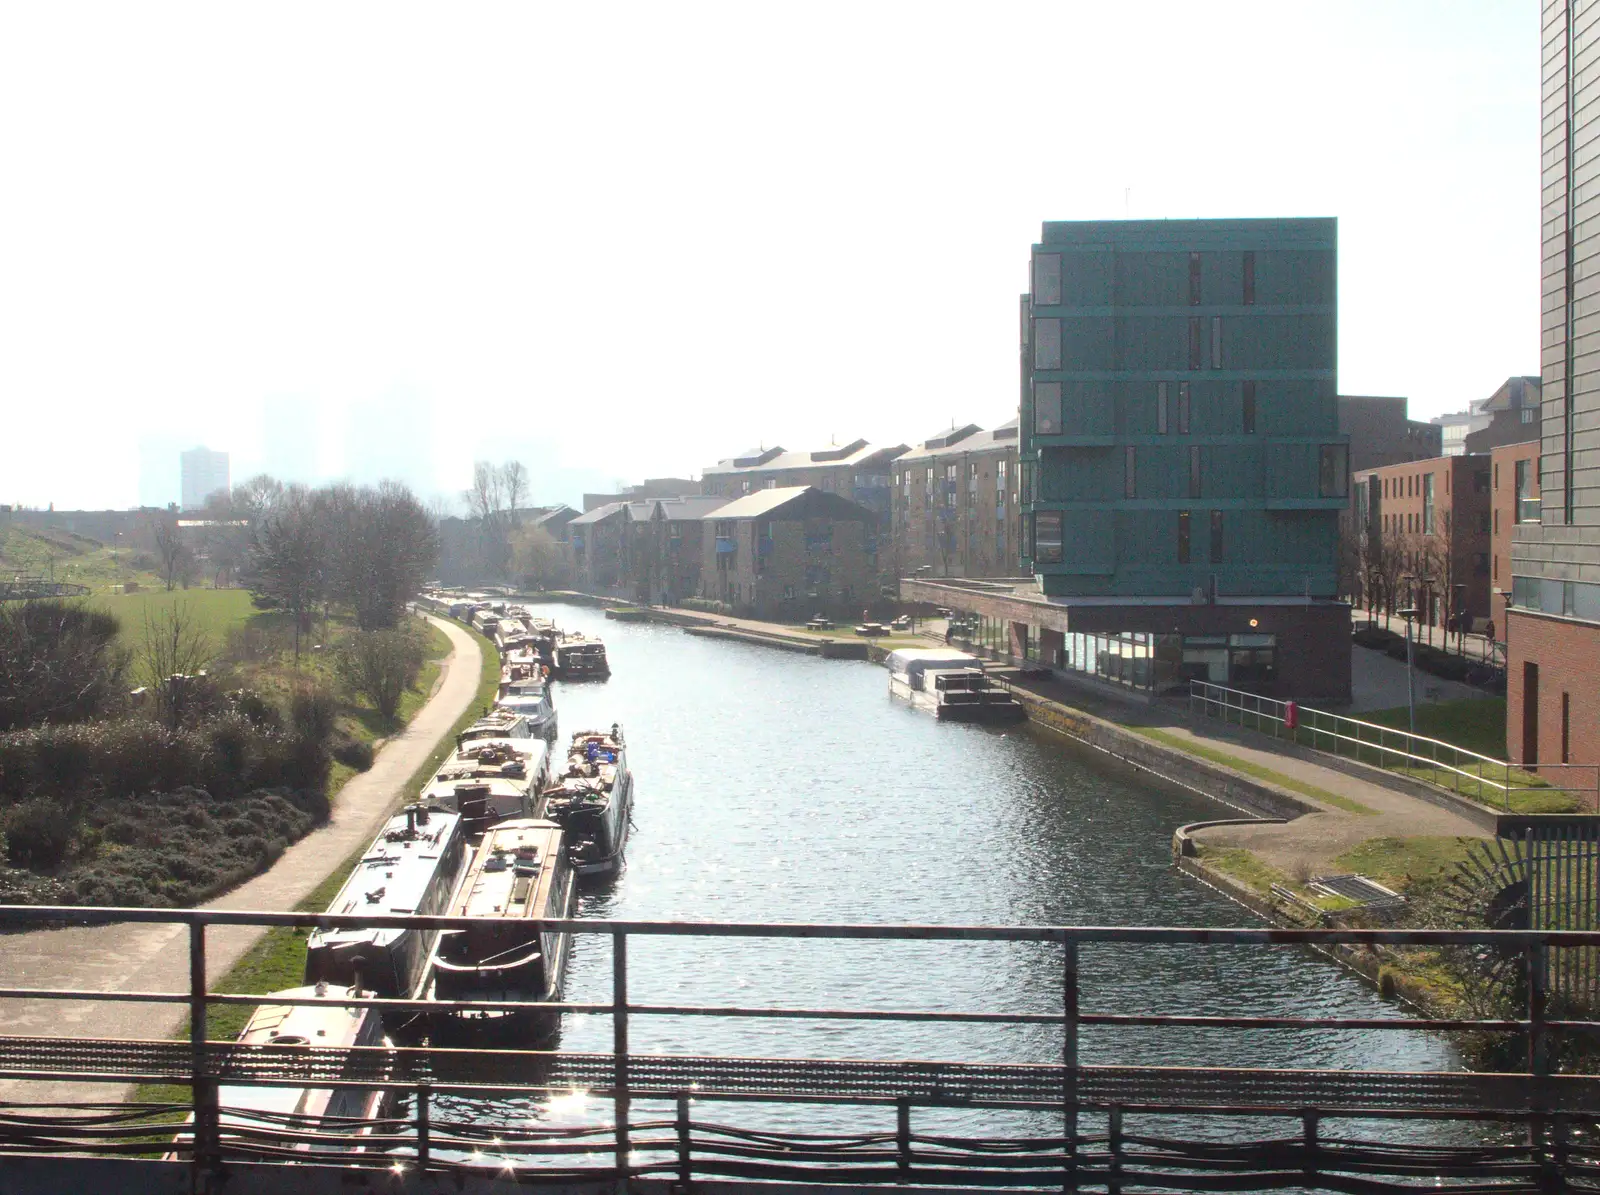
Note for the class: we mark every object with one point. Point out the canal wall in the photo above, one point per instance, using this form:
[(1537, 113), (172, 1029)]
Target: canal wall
[(1167, 764)]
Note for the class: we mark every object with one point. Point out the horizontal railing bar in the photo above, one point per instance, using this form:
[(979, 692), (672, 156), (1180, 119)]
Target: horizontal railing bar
[(35, 914), (1215, 1022)]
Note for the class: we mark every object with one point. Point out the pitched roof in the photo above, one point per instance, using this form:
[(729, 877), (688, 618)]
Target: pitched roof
[(854, 453), (763, 503), (966, 439), (598, 514)]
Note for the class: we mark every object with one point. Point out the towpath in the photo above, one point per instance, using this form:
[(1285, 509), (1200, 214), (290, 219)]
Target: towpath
[(155, 958), (1349, 809)]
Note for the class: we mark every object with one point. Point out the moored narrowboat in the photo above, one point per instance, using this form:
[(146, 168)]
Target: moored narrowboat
[(411, 867), (592, 800), (580, 657)]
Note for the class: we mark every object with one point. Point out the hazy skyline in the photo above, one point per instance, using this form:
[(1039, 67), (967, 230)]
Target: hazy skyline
[(627, 241)]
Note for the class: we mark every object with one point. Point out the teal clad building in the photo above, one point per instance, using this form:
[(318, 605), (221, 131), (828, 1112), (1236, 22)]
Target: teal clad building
[(1182, 470)]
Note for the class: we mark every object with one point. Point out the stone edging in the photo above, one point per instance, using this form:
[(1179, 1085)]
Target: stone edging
[(1183, 837)]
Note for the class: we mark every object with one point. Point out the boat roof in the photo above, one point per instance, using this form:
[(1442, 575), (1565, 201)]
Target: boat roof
[(930, 657), (396, 867), (489, 889), (496, 724), (295, 1024)]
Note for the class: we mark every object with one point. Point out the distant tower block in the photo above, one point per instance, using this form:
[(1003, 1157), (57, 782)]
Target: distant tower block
[(204, 473)]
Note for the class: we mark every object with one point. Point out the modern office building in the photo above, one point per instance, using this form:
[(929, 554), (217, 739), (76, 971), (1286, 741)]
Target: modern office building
[(1553, 625), (1455, 427), (204, 472), (953, 500), (1182, 469), (858, 471)]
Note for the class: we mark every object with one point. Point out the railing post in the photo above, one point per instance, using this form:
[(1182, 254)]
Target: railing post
[(424, 1125), (619, 1049), (902, 1134), (1114, 1165), (202, 1089), (1309, 1123), (1069, 1060), (685, 1169), (1538, 961)]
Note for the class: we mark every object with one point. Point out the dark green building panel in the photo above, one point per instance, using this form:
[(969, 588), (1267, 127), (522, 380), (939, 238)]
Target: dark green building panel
[(1176, 368)]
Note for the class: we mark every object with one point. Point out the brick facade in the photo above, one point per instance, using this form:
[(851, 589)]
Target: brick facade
[(1444, 534), (1504, 512), (1551, 714), (785, 555), (954, 504)]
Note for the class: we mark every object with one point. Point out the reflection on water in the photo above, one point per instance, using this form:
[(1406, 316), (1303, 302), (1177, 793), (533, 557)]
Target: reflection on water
[(778, 787)]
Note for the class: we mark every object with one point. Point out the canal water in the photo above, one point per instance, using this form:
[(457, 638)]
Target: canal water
[(779, 787)]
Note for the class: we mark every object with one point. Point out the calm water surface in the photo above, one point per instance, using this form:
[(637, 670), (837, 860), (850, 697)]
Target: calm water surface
[(779, 787)]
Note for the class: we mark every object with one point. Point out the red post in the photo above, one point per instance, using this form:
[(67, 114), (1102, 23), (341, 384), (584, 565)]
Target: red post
[(1291, 715)]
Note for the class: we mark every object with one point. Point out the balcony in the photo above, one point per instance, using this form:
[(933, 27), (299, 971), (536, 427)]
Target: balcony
[(763, 547), (726, 545), (819, 543)]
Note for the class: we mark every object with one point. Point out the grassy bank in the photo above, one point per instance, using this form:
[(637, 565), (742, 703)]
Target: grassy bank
[(1251, 768), (278, 959)]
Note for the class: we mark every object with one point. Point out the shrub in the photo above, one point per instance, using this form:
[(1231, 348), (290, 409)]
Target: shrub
[(312, 712), (380, 666), (353, 752), (40, 833), (59, 662)]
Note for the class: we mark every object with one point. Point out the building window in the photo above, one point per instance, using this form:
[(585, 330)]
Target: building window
[(927, 485), (1183, 408), (1047, 537), (1194, 470), (1183, 537), (1216, 342), (1047, 344), (1427, 504), (1047, 408), (1194, 343), (1497, 475), (1527, 414), (1249, 278), (1248, 408), (1527, 502), (1333, 473), (1000, 479), (1028, 482), (1130, 488), (1047, 279), (1161, 408), (1497, 566), (1216, 536), (1497, 522), (1194, 280)]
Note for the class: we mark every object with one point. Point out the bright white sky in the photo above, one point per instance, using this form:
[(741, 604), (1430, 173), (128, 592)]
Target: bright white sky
[(623, 240)]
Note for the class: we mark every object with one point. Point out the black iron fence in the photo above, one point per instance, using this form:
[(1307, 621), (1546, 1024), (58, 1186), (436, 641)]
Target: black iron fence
[(1544, 1116)]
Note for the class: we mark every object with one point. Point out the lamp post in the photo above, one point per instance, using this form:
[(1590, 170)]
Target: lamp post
[(1408, 614)]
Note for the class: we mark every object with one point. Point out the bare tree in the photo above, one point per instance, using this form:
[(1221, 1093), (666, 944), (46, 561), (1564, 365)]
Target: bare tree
[(537, 560), (515, 484), (381, 666), (176, 650), (174, 556), (386, 546), (285, 562)]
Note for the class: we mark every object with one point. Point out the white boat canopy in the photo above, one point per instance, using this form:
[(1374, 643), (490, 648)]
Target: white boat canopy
[(912, 662)]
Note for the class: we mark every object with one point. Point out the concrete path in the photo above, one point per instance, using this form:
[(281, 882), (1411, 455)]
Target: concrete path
[(1379, 683), (155, 958)]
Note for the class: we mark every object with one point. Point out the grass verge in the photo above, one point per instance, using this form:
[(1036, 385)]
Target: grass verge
[(1399, 863), (1250, 768), (278, 958)]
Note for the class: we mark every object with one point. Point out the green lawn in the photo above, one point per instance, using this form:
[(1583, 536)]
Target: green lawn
[(1250, 768), (1400, 862), (1244, 866), (1478, 724), (61, 555), (218, 611)]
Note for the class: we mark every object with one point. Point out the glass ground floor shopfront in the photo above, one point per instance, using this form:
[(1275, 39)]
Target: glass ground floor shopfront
[(1140, 660)]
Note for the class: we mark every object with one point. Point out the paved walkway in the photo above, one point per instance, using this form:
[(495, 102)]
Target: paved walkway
[(1312, 840), (1379, 683), (155, 958)]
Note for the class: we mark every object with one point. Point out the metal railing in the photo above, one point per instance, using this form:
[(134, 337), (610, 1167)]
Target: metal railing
[(1481, 778), (688, 1146)]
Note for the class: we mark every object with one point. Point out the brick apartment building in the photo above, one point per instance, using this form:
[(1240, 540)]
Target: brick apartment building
[(954, 504), (858, 471), (1514, 489), (790, 552), (647, 551), (1553, 625), (1436, 515)]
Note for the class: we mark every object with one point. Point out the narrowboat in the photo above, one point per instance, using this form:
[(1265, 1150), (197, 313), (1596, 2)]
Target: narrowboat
[(968, 695), (911, 670), (579, 657), (518, 878), (346, 1113), (487, 780), (592, 800), (412, 867), (497, 724), (528, 697)]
